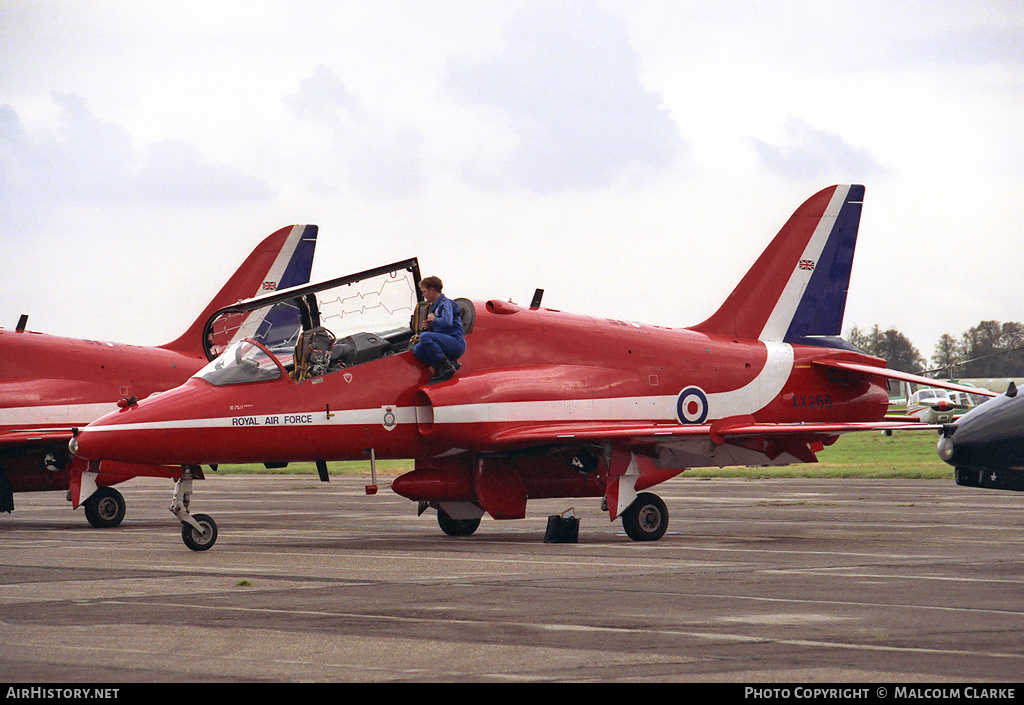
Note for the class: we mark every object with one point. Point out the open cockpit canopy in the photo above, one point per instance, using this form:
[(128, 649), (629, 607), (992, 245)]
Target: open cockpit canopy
[(318, 328), (381, 300)]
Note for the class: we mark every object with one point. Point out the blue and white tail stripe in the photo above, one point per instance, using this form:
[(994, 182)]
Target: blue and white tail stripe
[(816, 291), (823, 303), (281, 324)]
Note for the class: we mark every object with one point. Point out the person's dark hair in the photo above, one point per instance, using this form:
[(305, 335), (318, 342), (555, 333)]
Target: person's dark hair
[(431, 283)]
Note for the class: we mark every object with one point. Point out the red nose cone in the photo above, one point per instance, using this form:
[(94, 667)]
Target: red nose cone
[(140, 431), (104, 442)]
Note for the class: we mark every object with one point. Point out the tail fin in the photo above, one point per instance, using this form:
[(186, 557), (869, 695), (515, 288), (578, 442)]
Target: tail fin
[(282, 260), (797, 287)]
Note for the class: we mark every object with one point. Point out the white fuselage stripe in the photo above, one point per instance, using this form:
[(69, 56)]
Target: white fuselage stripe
[(54, 414), (661, 408), (761, 390)]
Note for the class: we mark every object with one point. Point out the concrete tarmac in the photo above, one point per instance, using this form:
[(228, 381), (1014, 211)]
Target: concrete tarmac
[(778, 581)]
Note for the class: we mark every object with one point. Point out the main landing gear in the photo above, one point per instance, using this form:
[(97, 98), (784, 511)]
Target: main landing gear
[(105, 508), (646, 519), (199, 531), (456, 527)]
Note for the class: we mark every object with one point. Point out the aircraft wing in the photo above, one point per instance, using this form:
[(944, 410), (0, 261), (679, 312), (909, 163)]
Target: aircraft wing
[(32, 436), (720, 432), (920, 423), (456, 411)]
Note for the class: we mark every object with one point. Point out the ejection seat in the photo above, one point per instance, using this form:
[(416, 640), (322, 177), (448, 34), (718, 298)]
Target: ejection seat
[(466, 310), (468, 314), (312, 353)]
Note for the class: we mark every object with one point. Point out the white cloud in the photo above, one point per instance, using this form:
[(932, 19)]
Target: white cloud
[(569, 83), (358, 148), (83, 159), (810, 153), (175, 172)]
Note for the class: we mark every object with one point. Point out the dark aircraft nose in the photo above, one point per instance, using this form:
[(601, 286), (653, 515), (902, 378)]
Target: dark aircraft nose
[(945, 447), (986, 446)]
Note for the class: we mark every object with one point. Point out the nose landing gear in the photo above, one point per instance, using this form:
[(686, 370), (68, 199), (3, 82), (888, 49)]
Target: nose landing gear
[(199, 532), (199, 539)]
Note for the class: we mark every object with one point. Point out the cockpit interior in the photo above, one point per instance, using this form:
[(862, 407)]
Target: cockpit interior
[(316, 329)]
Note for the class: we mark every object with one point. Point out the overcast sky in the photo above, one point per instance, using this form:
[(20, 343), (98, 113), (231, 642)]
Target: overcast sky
[(631, 157)]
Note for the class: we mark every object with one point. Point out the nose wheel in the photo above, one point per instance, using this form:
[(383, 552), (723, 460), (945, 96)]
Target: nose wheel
[(202, 538), (199, 531)]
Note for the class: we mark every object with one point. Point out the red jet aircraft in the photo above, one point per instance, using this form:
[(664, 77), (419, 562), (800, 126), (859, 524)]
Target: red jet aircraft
[(546, 404), (50, 385)]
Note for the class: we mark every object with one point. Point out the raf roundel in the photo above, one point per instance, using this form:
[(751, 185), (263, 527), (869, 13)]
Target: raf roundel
[(692, 405)]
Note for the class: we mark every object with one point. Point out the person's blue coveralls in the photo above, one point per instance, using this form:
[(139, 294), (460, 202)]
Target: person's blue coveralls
[(445, 338)]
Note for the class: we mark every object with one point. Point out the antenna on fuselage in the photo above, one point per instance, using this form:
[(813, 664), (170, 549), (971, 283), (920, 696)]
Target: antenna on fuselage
[(537, 296)]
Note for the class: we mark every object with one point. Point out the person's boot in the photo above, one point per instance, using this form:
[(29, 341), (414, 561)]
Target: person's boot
[(445, 370)]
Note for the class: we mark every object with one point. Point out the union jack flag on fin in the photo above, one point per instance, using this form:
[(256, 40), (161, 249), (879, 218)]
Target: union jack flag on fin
[(806, 264)]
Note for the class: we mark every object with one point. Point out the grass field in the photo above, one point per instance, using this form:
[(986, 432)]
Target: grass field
[(907, 454)]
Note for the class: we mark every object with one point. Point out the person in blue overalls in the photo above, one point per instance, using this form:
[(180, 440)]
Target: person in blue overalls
[(443, 343)]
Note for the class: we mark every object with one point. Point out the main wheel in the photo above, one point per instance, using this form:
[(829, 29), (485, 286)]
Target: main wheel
[(200, 541), (646, 519), (105, 508), (456, 527)]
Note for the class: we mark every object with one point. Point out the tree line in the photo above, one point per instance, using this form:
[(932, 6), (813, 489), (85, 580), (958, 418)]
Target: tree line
[(989, 349)]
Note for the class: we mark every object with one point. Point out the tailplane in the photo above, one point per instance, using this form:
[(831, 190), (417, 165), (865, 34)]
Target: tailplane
[(797, 287), (282, 260)]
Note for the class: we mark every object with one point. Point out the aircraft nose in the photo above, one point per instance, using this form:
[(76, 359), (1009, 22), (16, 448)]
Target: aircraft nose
[(120, 435), (945, 446), (93, 444), (147, 431)]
